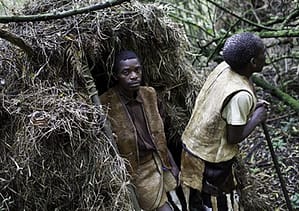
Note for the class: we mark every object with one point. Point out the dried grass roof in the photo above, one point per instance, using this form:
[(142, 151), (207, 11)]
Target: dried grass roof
[(53, 151)]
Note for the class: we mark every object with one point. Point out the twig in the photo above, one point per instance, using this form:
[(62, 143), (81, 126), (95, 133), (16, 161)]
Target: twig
[(281, 117), (241, 18), (59, 15), (292, 15), (279, 33)]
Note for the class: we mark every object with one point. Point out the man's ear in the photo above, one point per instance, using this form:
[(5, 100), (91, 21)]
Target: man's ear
[(252, 61)]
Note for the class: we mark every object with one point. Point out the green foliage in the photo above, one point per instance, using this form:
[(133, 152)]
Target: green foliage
[(290, 126), (278, 143), (295, 200), (255, 170), (198, 19)]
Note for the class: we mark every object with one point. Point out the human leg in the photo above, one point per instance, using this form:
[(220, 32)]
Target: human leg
[(195, 200), (211, 202), (176, 201), (218, 186), (149, 186), (192, 169)]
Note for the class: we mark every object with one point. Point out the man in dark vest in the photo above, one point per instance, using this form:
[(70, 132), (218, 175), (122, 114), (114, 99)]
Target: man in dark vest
[(139, 134), (226, 111)]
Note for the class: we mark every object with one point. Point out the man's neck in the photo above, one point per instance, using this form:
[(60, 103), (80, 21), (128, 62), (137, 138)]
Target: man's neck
[(245, 72), (129, 95)]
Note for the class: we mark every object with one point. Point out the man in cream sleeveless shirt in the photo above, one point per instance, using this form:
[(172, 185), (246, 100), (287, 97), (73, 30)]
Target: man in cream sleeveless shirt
[(225, 113)]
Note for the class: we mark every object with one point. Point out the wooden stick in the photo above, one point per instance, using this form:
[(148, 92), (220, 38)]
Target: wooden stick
[(276, 165)]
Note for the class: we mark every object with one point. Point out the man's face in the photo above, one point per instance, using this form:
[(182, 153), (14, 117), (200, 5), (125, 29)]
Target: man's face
[(129, 75)]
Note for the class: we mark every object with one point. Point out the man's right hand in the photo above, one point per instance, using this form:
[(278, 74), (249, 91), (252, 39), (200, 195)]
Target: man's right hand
[(260, 113)]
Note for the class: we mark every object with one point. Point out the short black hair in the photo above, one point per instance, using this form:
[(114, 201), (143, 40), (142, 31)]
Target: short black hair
[(240, 48), (123, 55)]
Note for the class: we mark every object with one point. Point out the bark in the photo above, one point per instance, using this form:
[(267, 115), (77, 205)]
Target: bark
[(59, 15), (289, 100)]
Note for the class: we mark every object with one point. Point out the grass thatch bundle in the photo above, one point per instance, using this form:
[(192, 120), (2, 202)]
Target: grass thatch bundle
[(54, 154)]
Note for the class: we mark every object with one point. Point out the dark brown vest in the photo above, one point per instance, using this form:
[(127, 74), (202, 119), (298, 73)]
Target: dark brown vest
[(125, 131)]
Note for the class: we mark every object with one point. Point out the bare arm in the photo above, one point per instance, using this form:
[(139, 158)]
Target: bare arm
[(237, 133)]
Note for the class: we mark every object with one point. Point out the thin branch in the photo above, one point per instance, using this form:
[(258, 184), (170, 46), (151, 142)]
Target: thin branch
[(286, 98), (292, 56), (186, 21), (177, 7), (292, 15), (59, 15), (279, 33), (17, 41), (240, 17), (221, 41)]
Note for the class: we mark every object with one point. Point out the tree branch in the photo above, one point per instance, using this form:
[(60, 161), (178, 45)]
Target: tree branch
[(280, 33), (240, 17), (17, 41), (190, 22), (292, 15), (59, 15), (277, 92)]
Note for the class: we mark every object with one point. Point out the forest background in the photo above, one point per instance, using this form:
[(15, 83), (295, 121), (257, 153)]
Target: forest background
[(207, 24)]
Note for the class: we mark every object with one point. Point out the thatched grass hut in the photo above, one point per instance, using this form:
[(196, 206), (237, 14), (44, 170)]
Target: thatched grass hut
[(55, 153)]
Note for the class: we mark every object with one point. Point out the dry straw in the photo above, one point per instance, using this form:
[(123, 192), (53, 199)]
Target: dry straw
[(54, 154)]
